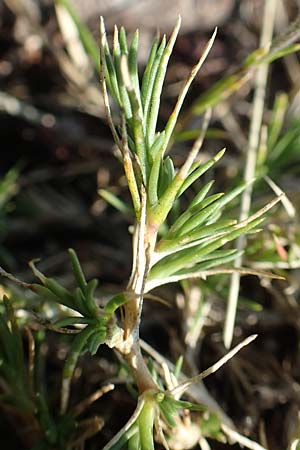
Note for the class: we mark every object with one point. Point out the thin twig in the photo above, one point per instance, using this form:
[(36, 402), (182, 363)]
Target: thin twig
[(181, 388), (184, 170), (242, 440), (82, 406), (126, 427), (286, 202), (294, 444), (197, 392), (86, 429), (15, 280), (281, 265), (254, 137)]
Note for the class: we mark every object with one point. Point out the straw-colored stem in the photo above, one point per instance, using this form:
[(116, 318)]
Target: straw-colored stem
[(254, 138)]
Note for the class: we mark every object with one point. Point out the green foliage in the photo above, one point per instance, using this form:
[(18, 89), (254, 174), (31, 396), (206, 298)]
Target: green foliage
[(22, 386), (86, 37), (12, 362), (8, 189), (282, 46), (139, 104), (100, 325), (195, 243)]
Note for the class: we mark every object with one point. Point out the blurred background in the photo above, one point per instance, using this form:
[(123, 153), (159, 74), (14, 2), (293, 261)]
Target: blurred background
[(57, 153)]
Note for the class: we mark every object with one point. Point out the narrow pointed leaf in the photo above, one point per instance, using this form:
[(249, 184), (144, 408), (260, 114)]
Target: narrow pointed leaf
[(110, 74), (189, 212), (158, 84), (212, 209), (90, 299), (114, 303), (174, 115), (86, 36), (191, 256), (76, 348), (196, 220), (133, 66), (149, 79), (79, 275), (167, 174), (214, 261), (137, 119), (123, 41), (151, 58), (197, 172), (125, 102), (207, 232)]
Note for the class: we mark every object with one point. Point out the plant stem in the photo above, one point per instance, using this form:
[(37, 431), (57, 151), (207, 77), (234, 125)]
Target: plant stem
[(139, 369), (144, 240), (254, 137)]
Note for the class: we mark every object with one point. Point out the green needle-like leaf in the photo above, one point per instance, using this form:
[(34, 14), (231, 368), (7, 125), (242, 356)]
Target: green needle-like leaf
[(188, 257), (114, 303), (167, 173), (161, 175), (169, 410), (277, 119), (201, 195), (79, 302), (148, 70), (115, 201), (198, 219), (215, 259), (158, 84), (132, 178), (110, 74), (149, 81), (90, 298), (125, 102), (123, 41), (189, 211), (201, 212), (158, 213), (79, 275), (197, 172), (96, 339), (168, 246), (48, 294), (137, 119), (156, 147), (76, 349), (174, 115), (86, 36), (133, 65), (45, 419)]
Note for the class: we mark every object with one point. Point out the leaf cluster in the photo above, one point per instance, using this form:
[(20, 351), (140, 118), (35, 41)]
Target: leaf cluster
[(23, 392)]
